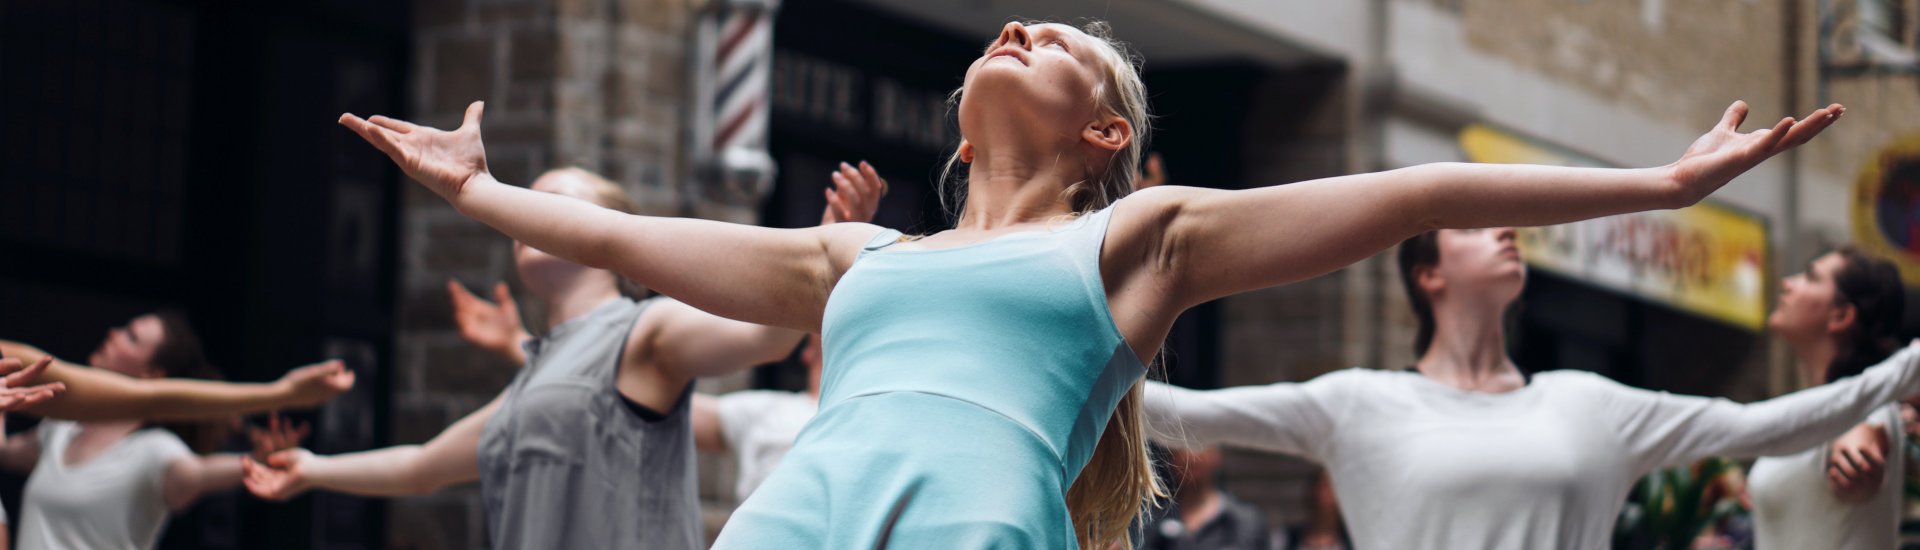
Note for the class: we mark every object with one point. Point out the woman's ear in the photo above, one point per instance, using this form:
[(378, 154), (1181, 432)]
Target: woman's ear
[(966, 151), (1842, 319), (1109, 132), (1429, 281)]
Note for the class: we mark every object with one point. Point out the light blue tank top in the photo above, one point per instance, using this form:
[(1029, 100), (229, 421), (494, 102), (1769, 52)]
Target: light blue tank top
[(1017, 325), (964, 390)]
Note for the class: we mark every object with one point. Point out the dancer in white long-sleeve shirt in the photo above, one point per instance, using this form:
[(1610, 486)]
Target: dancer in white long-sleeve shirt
[(1838, 317), (1467, 452)]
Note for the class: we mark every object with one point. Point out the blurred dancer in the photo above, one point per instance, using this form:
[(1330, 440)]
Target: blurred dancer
[(1467, 452), (114, 483), (1203, 516), (1840, 316)]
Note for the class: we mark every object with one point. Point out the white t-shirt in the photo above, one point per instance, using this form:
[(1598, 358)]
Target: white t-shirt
[(110, 502), (760, 427), (1419, 464), (1793, 507)]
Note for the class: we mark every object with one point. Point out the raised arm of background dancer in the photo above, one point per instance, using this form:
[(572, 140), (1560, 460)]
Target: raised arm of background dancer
[(1214, 243), (769, 276), (401, 470), (1662, 429), (695, 343), (97, 394), (1288, 418), (493, 326)]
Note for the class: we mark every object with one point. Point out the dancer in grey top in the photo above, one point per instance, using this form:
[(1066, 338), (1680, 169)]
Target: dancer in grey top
[(591, 445)]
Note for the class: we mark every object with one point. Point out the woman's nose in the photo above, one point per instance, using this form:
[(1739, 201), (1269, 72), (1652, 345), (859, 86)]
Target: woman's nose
[(1015, 33)]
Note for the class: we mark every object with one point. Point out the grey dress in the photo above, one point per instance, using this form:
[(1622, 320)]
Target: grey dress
[(568, 462)]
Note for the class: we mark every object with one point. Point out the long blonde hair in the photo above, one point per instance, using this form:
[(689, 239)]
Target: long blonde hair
[(1118, 482)]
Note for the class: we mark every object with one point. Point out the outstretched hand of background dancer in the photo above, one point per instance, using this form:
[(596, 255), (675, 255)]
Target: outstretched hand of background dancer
[(855, 194), (280, 477), (15, 394), (311, 385), (441, 160), (1724, 153), (493, 326)]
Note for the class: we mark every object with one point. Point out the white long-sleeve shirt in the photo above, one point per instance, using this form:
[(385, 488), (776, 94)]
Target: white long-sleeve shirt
[(1419, 464), (1793, 507)]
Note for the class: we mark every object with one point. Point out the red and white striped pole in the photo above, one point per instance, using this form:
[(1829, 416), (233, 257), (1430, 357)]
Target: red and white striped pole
[(732, 73)]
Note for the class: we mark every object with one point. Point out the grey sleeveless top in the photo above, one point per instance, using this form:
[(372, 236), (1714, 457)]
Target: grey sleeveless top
[(565, 463)]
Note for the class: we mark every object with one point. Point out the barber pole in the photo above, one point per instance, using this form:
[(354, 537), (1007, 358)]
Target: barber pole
[(732, 72)]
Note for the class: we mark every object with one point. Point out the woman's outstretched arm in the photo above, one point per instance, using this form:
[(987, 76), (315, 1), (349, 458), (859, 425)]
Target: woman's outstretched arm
[(768, 276), (1212, 243), (1286, 417), (449, 458), (96, 394), (1662, 429)]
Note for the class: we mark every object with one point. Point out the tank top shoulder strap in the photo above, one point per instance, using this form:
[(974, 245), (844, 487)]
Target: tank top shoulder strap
[(1092, 231), (883, 239)]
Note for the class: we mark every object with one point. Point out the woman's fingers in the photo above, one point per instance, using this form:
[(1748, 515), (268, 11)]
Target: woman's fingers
[(874, 176), (1770, 139), (394, 124), (847, 182), (459, 293), (24, 376), (836, 207), (1843, 463), (1811, 126), (20, 398), (374, 135), (502, 296), (474, 110), (1735, 114)]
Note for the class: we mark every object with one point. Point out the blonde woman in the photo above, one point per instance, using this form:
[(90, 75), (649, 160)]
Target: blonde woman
[(981, 386)]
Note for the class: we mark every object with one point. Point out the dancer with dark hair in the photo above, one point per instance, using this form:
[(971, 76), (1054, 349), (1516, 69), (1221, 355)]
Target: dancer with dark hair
[(114, 483), (1840, 316), (1465, 451)]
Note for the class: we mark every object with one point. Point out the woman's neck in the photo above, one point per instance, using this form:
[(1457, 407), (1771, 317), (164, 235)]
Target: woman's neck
[(574, 300), (1006, 188), (1814, 357), (1469, 350)]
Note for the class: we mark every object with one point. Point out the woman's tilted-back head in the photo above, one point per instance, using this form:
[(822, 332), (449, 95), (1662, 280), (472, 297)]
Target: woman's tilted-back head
[(1066, 94)]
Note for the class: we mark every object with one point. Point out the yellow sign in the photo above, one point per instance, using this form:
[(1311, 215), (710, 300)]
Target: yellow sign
[(1886, 207), (1707, 259)]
